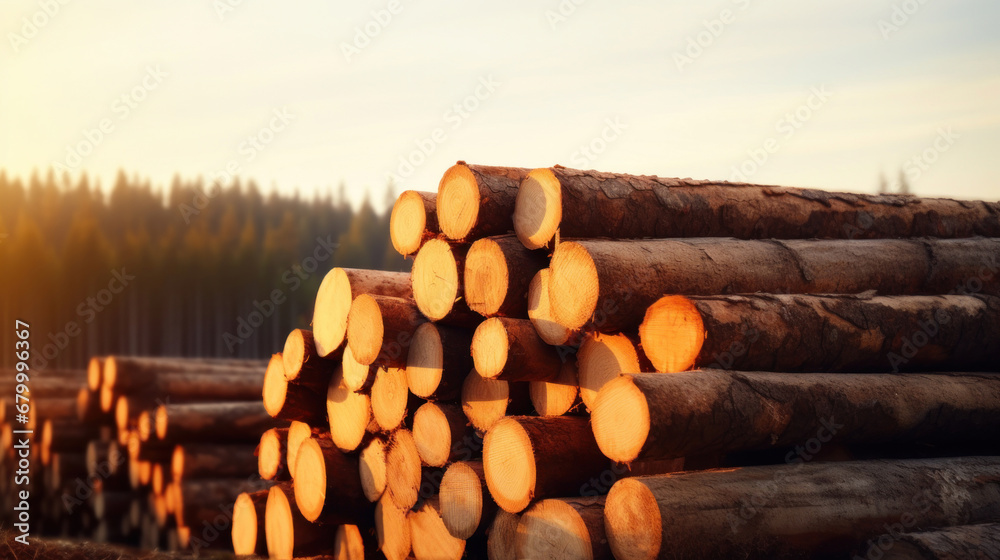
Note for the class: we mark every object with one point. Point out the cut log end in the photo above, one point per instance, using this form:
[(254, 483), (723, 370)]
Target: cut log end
[(403, 469), (509, 465), (144, 425), (602, 358), (389, 398), (484, 401), (503, 533), (365, 329), (490, 346), (553, 529), (556, 397), (408, 222), (269, 454), (275, 385), (107, 397), (632, 521), (348, 543), (392, 530), (296, 351), (425, 361), (244, 526), (435, 279), (672, 334), (121, 412), (432, 434), (620, 420), (349, 413), (279, 525), (355, 373), (538, 210), (540, 312), (573, 285), (95, 368), (461, 500), (458, 201), (430, 537), (160, 421), (486, 279), (297, 433), (371, 464), (310, 479), (333, 303)]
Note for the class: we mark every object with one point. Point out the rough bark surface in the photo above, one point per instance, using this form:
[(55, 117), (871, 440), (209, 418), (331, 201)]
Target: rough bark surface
[(520, 266), (954, 543), (497, 195)]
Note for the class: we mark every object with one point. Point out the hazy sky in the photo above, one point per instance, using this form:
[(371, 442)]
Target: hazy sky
[(819, 93)]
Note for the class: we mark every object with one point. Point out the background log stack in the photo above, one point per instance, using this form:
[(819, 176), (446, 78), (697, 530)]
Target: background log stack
[(594, 365)]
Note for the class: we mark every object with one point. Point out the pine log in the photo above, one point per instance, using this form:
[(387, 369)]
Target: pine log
[(291, 400), (429, 537), (656, 415), (358, 376), (438, 361), (380, 328), (413, 221), (349, 413), (608, 285), (304, 365), (559, 396), (328, 485), (498, 271), (192, 461), (271, 453), (527, 458), (249, 514), (392, 529), (107, 397), (465, 507), (476, 201), (570, 528), (437, 283), (510, 350), (824, 333), (801, 509), (953, 543), (229, 422), (484, 401), (129, 373), (503, 536), (336, 293), (349, 544), (390, 399), (64, 435), (88, 407), (95, 370), (402, 469), (601, 358), (289, 534), (578, 203), (199, 501), (297, 433), (103, 459), (543, 317), (438, 432), (371, 467)]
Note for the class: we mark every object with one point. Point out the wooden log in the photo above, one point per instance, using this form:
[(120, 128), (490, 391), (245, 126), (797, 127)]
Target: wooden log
[(103, 459), (358, 376), (559, 396), (229, 422), (864, 333), (64, 435), (429, 537), (349, 413), (271, 453), (484, 401), (379, 329), (413, 221), (328, 485), (510, 350), (297, 433), (95, 370), (527, 458), (438, 360), (653, 415), (64, 468), (681, 515), (371, 467), (191, 461), (437, 283), (571, 528), (953, 543), (438, 432), (302, 362), (402, 469), (578, 203), (392, 529), (200, 501), (291, 400), (503, 536), (542, 315), (289, 534), (608, 285), (476, 201), (336, 293), (601, 358), (129, 373), (107, 397), (349, 544), (88, 407), (498, 271), (465, 507), (390, 399)]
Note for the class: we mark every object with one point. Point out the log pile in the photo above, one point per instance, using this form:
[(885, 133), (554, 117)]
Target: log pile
[(594, 365)]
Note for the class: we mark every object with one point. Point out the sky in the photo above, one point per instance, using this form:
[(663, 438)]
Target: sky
[(312, 94)]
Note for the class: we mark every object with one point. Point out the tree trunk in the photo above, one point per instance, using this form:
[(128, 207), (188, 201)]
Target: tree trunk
[(402, 469), (429, 537), (465, 507), (953, 543), (578, 203), (380, 328), (503, 536), (336, 293), (609, 284), (438, 431), (231, 422), (823, 333), (542, 315), (349, 544), (559, 396), (485, 401), (438, 361), (271, 453), (297, 433), (392, 529), (570, 528), (289, 534), (698, 412), (292, 400), (413, 221), (437, 283), (510, 350), (350, 415), (192, 461), (303, 364), (249, 533), (390, 399), (205, 500), (371, 465), (602, 358), (799, 510), (328, 485), (497, 273), (476, 201), (130, 373)]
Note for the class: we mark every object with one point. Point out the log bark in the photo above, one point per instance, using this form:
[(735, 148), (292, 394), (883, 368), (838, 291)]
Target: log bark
[(249, 533), (953, 543), (304, 365), (413, 221), (271, 453), (510, 350), (542, 315), (823, 333), (465, 507), (476, 201), (439, 431), (392, 529), (798, 510), (570, 528), (429, 537), (231, 422), (130, 373), (390, 399), (292, 400), (527, 458), (693, 413), (336, 293), (402, 469), (380, 328), (485, 401), (371, 466), (358, 376), (349, 413), (578, 203), (498, 271), (437, 283), (559, 396), (607, 285), (64, 435), (289, 534), (601, 358), (503, 536), (328, 484), (192, 461), (205, 500), (439, 358)]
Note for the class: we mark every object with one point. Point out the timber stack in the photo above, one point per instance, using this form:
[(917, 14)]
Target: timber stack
[(594, 365)]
